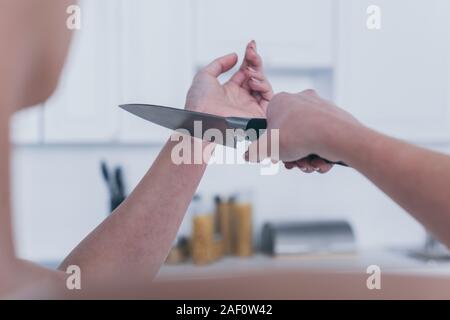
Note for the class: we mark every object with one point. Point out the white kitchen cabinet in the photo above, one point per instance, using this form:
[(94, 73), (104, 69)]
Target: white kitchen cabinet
[(126, 52), (26, 126), (289, 33), (156, 62), (396, 79), (84, 107)]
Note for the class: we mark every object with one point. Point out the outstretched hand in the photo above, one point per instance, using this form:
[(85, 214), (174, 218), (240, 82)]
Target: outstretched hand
[(246, 94)]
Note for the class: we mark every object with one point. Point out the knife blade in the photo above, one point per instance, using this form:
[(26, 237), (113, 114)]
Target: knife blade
[(174, 118), (197, 123)]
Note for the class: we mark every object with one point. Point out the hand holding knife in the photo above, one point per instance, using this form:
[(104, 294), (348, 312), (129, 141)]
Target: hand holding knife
[(173, 118)]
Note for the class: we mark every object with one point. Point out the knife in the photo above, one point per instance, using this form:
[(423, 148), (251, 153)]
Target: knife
[(197, 123), (175, 119)]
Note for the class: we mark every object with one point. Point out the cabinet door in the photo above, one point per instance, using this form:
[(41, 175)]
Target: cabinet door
[(396, 79), (156, 62), (84, 107), (290, 33)]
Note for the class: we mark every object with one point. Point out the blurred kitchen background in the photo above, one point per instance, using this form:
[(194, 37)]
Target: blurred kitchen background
[(395, 80)]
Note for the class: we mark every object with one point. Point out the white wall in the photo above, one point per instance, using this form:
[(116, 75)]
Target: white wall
[(59, 196)]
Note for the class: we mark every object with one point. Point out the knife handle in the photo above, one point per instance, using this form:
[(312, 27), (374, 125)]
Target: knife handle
[(257, 124), (339, 163)]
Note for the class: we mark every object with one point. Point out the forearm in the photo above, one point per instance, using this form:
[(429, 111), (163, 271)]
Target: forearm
[(134, 241), (417, 179)]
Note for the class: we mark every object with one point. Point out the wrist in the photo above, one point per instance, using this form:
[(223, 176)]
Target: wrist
[(346, 141), (192, 106), (190, 150)]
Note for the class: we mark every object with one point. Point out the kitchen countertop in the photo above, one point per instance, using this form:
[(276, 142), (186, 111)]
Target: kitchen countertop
[(306, 277), (301, 277), (390, 261)]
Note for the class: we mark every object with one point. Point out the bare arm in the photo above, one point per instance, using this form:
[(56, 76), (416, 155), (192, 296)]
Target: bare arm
[(133, 242), (417, 179)]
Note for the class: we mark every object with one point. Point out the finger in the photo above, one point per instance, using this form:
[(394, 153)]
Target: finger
[(289, 165), (221, 65), (325, 168), (258, 150), (320, 165), (239, 77), (305, 165), (251, 72), (263, 88), (252, 57), (255, 73), (309, 93), (258, 75)]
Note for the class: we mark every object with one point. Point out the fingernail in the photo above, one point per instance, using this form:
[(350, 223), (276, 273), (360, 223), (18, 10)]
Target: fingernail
[(304, 169), (255, 80), (253, 44), (251, 69)]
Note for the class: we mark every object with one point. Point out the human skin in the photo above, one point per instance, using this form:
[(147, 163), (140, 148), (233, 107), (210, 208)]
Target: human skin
[(416, 178), (131, 244), (134, 241), (32, 54)]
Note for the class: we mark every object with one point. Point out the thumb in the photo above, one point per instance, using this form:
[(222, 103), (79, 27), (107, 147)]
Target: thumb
[(259, 149), (221, 65)]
